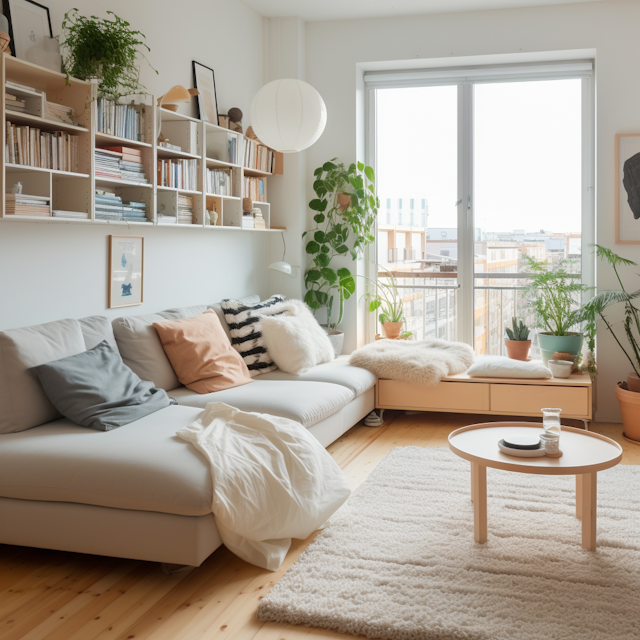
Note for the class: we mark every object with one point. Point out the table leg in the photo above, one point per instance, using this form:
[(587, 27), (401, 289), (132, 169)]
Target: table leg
[(579, 496), (589, 497), (473, 484), (479, 481)]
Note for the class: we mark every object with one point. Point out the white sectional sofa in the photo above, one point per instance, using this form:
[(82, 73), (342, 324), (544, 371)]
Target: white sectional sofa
[(139, 491)]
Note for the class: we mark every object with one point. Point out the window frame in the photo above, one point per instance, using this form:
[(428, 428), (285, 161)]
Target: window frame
[(465, 79)]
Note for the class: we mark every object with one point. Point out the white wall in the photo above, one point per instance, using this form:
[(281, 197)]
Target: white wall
[(50, 271), (334, 49)]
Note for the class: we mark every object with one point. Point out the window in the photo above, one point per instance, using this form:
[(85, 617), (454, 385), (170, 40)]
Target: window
[(504, 159)]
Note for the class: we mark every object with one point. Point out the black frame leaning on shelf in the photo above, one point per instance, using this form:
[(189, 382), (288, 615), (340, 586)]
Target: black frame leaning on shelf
[(6, 9), (202, 114)]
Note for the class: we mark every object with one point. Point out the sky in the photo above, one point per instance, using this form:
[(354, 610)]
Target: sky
[(527, 153)]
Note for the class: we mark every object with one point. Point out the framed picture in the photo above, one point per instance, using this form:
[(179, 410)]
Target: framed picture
[(628, 188), (205, 83), (126, 271), (29, 28)]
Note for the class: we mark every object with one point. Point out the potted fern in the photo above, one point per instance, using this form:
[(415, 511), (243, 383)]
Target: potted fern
[(384, 299), (517, 341)]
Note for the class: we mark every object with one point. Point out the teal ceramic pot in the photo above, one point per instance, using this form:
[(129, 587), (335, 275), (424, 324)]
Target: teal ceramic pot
[(571, 343)]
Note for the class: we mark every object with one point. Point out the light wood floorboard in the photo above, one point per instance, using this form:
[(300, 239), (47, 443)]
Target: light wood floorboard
[(51, 595)]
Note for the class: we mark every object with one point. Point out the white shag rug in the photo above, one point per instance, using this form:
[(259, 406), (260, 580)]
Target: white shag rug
[(420, 362), (398, 560)]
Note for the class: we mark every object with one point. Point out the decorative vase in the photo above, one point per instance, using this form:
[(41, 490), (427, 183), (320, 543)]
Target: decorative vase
[(633, 382), (629, 402), (518, 349), (344, 199), (392, 329), (549, 344), (336, 338)]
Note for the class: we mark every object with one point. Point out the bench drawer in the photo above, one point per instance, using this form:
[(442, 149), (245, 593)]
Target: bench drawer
[(454, 396), (523, 399)]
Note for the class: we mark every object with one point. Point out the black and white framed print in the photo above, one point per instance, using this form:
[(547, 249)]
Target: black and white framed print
[(628, 188), (29, 28), (204, 81)]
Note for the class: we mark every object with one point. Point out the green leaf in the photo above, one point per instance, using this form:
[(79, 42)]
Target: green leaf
[(322, 297), (322, 260), (344, 273), (318, 172), (316, 205), (374, 304), (328, 166), (348, 283), (318, 184), (313, 275), (341, 249), (329, 275), (352, 168), (313, 247), (319, 218), (318, 236), (360, 166), (368, 171), (324, 248), (358, 183), (354, 255), (310, 299)]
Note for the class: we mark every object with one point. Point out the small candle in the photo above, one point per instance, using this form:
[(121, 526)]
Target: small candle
[(550, 443)]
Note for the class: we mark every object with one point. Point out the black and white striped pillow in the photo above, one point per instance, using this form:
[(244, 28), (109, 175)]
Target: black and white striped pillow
[(246, 334)]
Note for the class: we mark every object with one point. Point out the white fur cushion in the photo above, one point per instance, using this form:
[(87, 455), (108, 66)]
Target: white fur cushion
[(503, 367), (294, 339)]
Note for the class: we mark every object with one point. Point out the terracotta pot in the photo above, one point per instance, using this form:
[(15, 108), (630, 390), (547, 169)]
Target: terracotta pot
[(633, 382), (518, 349), (630, 408), (392, 329), (344, 199)]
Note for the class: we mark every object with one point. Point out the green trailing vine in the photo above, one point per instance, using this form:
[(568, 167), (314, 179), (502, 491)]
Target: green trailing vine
[(346, 208), (103, 48)]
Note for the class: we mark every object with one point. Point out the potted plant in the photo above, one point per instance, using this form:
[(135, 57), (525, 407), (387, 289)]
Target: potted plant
[(551, 295), (346, 209), (517, 341), (628, 394), (103, 48), (384, 298)]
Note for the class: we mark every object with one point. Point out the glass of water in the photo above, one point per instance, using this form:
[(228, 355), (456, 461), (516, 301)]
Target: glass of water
[(551, 421)]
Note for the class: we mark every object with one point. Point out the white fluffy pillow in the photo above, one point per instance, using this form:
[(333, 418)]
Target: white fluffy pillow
[(503, 367), (294, 339)]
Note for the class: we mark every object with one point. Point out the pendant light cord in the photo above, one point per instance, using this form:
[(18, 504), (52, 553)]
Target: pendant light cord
[(284, 247)]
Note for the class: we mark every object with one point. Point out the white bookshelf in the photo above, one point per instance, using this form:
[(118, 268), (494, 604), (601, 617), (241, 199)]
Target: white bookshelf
[(206, 143)]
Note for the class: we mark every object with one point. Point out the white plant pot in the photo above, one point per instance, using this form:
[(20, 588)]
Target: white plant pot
[(337, 339)]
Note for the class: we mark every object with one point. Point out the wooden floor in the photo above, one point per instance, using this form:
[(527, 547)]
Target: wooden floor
[(66, 596)]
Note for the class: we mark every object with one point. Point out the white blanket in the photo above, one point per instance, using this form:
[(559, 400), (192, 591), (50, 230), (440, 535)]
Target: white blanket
[(272, 481)]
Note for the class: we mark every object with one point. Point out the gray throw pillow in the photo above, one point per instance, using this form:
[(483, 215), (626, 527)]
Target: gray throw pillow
[(96, 389)]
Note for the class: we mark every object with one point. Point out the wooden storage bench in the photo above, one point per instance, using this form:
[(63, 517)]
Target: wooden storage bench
[(496, 396)]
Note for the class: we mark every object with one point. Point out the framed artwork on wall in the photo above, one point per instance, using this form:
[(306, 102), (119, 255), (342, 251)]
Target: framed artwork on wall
[(628, 188), (29, 28), (204, 81), (126, 271)]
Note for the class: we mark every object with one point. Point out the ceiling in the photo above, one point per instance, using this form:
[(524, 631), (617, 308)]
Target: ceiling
[(313, 10)]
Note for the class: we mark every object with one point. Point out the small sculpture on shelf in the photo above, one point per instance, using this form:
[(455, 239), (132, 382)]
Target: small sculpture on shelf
[(235, 119)]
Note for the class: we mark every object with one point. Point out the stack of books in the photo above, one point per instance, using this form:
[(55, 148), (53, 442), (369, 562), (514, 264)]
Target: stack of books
[(109, 206), (185, 209), (13, 103), (248, 221), (21, 204), (179, 174), (218, 182), (165, 219), (255, 188), (232, 150), (121, 163), (45, 149), (122, 120), (74, 215), (60, 112), (167, 145), (258, 220), (257, 156)]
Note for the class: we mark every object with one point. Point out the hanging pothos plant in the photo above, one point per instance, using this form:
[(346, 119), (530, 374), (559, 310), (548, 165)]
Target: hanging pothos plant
[(346, 209), (103, 48)]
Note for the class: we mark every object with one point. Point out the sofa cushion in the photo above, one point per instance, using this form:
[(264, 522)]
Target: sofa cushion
[(95, 329), (95, 389), (305, 402), (142, 466), (339, 371), (201, 354), (217, 307), (140, 346), (23, 403)]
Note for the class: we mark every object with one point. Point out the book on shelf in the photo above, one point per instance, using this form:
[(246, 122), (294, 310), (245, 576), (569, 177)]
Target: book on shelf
[(165, 219), (73, 215), (218, 182), (258, 157), (22, 204), (21, 87), (179, 174), (185, 209), (121, 120), (258, 219), (60, 112), (167, 145), (110, 206), (255, 188), (248, 221), (118, 163), (13, 103), (32, 147), (232, 149)]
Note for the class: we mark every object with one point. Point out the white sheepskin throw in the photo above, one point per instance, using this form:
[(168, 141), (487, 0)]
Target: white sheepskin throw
[(422, 362), (294, 339)]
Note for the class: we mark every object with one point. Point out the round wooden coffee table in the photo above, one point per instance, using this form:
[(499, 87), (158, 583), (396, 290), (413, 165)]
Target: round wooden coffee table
[(584, 454)]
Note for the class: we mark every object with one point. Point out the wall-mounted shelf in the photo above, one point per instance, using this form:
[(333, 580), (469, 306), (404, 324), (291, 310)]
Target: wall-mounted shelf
[(211, 147)]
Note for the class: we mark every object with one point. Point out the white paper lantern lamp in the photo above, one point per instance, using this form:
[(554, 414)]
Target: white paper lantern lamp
[(288, 115)]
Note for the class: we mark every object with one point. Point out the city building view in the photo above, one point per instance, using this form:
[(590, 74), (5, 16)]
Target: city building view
[(424, 259)]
